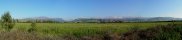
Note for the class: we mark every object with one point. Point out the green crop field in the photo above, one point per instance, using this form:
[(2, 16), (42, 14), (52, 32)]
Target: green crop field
[(82, 29), (70, 31)]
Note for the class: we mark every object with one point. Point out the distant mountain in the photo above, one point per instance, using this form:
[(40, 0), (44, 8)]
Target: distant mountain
[(42, 19), (126, 19), (151, 19), (161, 19), (109, 19)]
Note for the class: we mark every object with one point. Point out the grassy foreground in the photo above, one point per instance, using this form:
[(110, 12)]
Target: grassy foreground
[(82, 28), (79, 30)]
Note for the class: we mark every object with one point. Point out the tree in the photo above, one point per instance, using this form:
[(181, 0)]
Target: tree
[(7, 21), (17, 21), (33, 26)]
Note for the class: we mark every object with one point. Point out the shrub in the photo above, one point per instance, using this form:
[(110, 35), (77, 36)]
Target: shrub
[(33, 27), (161, 32), (7, 21)]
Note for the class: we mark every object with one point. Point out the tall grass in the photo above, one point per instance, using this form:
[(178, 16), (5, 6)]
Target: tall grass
[(78, 31), (81, 28), (160, 32)]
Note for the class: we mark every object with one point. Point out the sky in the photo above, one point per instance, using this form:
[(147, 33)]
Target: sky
[(69, 9)]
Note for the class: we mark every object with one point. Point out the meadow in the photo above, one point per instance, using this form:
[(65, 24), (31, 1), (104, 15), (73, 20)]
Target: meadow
[(82, 29), (77, 31)]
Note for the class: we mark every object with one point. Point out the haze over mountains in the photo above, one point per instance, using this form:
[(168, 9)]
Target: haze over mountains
[(123, 19)]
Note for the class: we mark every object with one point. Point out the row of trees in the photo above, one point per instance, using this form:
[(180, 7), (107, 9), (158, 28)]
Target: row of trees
[(40, 21), (83, 20), (7, 22)]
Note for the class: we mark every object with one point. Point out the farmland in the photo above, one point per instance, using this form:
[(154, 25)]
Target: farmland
[(74, 31), (79, 29)]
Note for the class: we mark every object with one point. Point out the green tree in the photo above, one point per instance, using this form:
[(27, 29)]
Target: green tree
[(7, 21), (33, 27)]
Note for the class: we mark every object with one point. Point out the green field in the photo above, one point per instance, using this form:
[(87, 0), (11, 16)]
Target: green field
[(74, 31), (82, 29)]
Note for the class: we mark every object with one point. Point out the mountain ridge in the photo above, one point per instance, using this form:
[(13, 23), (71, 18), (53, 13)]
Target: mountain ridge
[(125, 19)]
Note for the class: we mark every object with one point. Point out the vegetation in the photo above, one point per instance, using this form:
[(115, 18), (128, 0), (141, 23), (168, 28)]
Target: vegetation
[(33, 27), (107, 30), (161, 32), (80, 31), (7, 21)]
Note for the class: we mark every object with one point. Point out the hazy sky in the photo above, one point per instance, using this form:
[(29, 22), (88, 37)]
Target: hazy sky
[(69, 9)]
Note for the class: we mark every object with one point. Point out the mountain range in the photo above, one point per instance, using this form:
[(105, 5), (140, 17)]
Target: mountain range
[(41, 19), (124, 19)]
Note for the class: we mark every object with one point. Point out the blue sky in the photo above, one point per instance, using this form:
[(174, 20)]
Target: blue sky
[(69, 9)]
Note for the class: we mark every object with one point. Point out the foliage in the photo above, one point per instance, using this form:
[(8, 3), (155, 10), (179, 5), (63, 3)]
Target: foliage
[(88, 31), (7, 21), (161, 32), (33, 27)]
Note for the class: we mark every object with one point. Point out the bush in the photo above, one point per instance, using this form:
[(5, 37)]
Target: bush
[(33, 27), (7, 21), (161, 32)]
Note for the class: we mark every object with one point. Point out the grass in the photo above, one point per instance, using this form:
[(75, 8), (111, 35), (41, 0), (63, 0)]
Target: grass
[(76, 31), (82, 28), (160, 32)]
